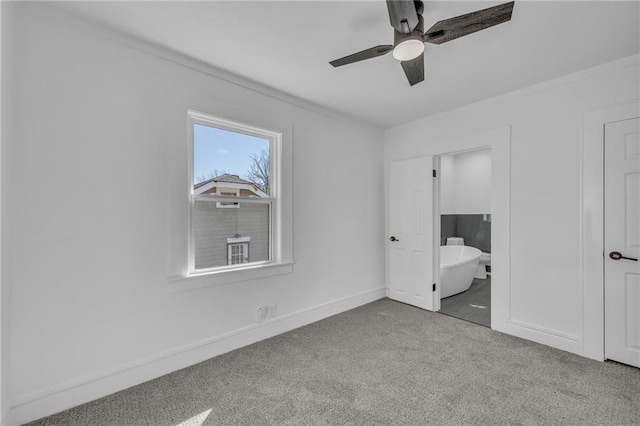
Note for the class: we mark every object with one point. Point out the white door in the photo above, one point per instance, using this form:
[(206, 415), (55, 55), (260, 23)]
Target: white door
[(622, 241), (410, 242)]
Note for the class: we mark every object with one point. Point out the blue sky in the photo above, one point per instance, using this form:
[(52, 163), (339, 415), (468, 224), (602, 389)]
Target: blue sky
[(222, 150)]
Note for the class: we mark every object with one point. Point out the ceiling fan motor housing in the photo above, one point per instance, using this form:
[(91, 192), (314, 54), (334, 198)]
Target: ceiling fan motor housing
[(416, 34)]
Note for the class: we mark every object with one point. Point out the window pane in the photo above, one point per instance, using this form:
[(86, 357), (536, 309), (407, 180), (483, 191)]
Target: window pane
[(229, 236), (230, 163)]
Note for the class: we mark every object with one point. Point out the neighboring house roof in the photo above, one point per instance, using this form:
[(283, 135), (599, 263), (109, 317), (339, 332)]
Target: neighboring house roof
[(224, 178), (228, 181)]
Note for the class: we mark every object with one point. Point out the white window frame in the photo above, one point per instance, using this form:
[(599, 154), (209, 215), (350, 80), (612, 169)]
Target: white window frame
[(274, 199)]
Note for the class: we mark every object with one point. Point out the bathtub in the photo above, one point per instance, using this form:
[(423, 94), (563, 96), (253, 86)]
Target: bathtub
[(458, 265)]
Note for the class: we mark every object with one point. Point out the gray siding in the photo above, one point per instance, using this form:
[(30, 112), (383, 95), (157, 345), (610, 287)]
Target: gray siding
[(213, 225)]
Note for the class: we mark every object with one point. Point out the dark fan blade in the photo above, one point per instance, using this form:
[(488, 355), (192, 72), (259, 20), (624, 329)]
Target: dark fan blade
[(414, 69), (452, 28), (373, 52), (402, 15)]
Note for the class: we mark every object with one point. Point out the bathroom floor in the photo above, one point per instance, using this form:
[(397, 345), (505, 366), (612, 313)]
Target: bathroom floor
[(473, 305)]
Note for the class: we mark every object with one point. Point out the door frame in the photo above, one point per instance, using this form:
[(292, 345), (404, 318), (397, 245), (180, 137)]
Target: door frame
[(499, 141), (592, 222)]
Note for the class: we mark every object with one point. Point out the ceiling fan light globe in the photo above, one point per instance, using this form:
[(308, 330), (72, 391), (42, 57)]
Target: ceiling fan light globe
[(408, 49)]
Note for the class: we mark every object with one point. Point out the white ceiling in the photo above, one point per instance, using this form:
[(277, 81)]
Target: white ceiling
[(287, 46)]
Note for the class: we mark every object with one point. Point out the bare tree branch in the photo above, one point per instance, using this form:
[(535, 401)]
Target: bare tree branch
[(259, 171)]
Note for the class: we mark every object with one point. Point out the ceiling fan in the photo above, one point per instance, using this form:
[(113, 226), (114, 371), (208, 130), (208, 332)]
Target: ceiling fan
[(409, 35)]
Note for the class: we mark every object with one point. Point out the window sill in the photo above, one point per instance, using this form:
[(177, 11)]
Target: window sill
[(213, 279)]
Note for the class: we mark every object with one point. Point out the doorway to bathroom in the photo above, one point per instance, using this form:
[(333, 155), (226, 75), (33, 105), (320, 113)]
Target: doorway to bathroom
[(412, 203), (464, 219)]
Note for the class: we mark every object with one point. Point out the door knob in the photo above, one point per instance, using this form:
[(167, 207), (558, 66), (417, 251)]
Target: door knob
[(393, 239), (616, 255)]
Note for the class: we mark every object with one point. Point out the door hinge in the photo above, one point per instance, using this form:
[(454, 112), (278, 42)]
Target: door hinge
[(434, 286), (434, 172)]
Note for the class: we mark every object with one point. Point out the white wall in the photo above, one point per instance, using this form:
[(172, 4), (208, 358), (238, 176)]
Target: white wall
[(3, 402), (6, 48), (97, 196), (465, 183), (545, 284)]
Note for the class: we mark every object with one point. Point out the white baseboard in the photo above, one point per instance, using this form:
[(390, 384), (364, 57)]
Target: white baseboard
[(549, 337), (70, 394)]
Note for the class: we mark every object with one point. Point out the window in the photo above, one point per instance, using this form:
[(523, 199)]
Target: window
[(238, 250), (234, 195)]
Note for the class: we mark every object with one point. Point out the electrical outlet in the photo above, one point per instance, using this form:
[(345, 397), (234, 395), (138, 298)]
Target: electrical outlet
[(266, 312), (261, 313)]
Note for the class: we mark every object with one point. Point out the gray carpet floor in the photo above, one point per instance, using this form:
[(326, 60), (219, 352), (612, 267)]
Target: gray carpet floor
[(472, 305), (384, 363)]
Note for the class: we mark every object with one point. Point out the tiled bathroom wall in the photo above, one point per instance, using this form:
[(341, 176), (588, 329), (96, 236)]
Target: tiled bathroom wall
[(475, 230)]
